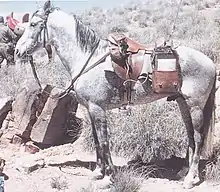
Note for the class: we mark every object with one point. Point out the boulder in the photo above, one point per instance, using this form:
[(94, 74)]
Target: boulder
[(41, 117), (55, 120), (5, 107), (23, 110)]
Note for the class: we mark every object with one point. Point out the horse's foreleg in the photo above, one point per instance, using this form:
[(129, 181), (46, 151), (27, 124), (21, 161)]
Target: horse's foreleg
[(100, 134), (96, 141)]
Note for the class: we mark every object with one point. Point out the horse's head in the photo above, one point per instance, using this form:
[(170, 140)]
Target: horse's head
[(28, 43)]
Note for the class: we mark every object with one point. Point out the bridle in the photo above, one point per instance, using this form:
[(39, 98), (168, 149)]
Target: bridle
[(29, 57), (82, 71), (44, 25)]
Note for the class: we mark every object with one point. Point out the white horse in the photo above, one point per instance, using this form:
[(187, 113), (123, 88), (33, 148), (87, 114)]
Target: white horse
[(98, 88), (19, 30)]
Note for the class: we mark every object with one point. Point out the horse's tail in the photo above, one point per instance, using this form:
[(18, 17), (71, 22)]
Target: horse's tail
[(209, 124)]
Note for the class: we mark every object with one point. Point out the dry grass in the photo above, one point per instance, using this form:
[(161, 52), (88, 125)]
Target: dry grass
[(127, 181), (146, 21), (13, 78), (153, 131), (131, 179), (87, 189), (59, 184), (212, 169)]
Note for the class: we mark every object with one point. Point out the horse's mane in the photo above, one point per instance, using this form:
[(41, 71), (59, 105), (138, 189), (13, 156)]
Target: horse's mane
[(86, 37)]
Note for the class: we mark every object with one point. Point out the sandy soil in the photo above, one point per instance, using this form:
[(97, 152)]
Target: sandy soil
[(73, 177)]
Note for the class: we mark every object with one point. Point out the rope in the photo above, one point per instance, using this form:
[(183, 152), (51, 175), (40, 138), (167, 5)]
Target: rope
[(80, 73), (174, 22), (30, 58)]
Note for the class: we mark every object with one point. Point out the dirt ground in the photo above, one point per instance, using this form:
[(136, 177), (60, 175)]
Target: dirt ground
[(67, 168)]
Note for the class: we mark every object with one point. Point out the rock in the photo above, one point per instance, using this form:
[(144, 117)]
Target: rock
[(31, 148), (36, 109), (43, 117), (29, 163), (52, 124), (24, 110), (6, 121), (5, 107), (16, 140)]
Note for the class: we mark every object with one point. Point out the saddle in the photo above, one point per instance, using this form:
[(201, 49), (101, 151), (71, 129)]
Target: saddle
[(128, 58), (124, 54), (133, 46)]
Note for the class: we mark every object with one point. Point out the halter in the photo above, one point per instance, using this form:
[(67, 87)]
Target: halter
[(82, 71), (44, 26), (45, 38)]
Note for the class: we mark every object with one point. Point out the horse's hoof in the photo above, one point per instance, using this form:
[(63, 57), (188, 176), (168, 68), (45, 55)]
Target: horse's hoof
[(188, 183), (196, 180)]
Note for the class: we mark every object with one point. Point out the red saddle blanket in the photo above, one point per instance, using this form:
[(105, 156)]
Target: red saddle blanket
[(11, 22)]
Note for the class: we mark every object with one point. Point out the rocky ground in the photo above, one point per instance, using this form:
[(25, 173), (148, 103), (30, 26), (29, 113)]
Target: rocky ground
[(68, 168)]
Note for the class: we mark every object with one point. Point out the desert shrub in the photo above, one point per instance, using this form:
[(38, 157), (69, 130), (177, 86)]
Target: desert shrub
[(58, 183), (142, 19), (9, 84), (212, 168), (213, 171), (13, 78), (87, 189), (127, 180), (153, 131), (147, 21)]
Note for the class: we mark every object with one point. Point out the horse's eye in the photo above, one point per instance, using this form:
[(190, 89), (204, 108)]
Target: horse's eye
[(33, 24), (42, 25)]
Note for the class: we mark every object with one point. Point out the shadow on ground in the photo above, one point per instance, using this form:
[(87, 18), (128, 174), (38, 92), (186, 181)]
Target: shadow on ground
[(172, 169)]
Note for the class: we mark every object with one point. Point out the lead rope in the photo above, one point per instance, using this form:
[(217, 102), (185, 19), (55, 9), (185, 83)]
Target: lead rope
[(174, 22), (80, 73), (30, 59)]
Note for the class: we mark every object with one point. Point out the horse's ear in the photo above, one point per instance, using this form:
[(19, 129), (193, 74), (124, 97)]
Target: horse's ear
[(47, 5)]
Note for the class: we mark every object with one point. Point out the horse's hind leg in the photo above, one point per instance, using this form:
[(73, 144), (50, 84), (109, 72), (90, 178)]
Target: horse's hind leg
[(193, 119), (186, 116), (100, 134), (192, 176)]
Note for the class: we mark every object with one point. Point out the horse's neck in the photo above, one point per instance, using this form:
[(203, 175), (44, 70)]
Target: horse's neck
[(63, 37)]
